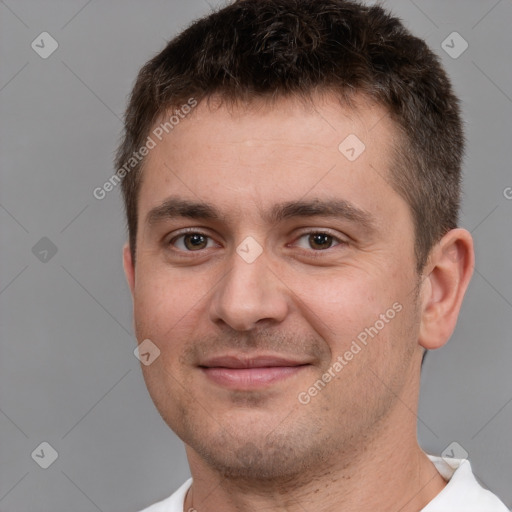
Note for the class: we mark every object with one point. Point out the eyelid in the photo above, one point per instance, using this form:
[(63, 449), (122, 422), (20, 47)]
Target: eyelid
[(186, 231), (325, 231)]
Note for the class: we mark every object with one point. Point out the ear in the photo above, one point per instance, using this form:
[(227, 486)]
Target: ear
[(446, 278), (129, 269)]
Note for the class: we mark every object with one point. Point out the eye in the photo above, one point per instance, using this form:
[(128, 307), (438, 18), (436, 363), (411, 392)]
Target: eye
[(318, 240), (192, 241)]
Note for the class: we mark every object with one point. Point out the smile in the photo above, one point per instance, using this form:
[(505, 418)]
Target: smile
[(237, 372)]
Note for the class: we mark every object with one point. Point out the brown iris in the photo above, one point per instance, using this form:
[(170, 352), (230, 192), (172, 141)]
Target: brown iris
[(195, 241), (320, 240)]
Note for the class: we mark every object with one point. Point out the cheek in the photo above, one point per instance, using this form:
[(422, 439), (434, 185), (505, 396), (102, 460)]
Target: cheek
[(161, 305), (359, 307), (343, 303)]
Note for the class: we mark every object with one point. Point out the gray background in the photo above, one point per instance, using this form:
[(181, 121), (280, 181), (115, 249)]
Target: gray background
[(68, 375)]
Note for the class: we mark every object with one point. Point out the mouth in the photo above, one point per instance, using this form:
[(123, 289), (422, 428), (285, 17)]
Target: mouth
[(246, 373)]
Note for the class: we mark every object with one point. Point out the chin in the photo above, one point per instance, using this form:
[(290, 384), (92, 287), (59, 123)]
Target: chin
[(256, 463), (269, 455)]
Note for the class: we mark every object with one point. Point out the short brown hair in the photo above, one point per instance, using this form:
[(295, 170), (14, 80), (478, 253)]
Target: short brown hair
[(277, 48)]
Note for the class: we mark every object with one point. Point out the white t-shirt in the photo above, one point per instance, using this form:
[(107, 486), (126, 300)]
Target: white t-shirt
[(462, 493)]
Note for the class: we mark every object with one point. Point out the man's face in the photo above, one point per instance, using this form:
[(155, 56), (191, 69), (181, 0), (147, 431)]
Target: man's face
[(292, 252)]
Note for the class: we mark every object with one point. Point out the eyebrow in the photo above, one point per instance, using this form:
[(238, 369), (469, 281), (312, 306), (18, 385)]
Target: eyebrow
[(174, 207)]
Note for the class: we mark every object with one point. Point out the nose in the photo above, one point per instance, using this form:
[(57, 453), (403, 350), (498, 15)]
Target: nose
[(249, 294)]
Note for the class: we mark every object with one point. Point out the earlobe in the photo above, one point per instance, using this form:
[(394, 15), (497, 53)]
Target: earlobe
[(129, 269), (449, 271)]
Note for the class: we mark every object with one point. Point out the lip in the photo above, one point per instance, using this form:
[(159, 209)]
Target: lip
[(245, 361), (244, 373)]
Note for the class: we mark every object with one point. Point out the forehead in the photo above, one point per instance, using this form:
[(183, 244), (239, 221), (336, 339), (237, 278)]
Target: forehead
[(246, 156), (317, 122)]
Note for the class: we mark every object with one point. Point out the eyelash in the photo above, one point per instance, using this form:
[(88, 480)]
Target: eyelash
[(311, 252)]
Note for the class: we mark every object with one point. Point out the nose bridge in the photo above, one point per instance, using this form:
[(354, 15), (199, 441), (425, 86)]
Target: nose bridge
[(249, 291)]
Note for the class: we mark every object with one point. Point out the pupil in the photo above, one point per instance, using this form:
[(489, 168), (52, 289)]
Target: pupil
[(320, 239), (194, 241)]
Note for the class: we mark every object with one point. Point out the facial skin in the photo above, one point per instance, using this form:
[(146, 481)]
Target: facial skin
[(303, 298)]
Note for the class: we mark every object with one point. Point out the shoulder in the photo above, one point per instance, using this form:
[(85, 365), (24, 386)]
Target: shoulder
[(174, 503), (462, 492)]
